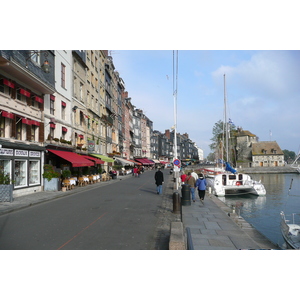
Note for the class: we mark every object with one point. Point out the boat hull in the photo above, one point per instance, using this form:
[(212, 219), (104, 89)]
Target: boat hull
[(290, 232), (235, 184)]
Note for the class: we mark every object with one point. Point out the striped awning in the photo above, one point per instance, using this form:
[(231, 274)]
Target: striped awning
[(103, 157), (124, 162)]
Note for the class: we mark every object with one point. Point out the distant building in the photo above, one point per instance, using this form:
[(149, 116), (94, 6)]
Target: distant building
[(267, 154)]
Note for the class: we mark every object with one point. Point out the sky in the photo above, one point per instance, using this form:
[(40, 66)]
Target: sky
[(262, 85), (262, 91)]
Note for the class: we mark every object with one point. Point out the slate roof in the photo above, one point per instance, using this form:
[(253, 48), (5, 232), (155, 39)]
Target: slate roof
[(266, 148)]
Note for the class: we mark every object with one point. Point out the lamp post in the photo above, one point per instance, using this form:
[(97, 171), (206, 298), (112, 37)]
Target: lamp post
[(175, 77)]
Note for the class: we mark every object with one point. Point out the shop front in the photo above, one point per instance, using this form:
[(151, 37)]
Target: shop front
[(23, 163)]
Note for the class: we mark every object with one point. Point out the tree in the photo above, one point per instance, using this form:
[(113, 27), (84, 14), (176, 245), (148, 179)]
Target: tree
[(289, 156), (219, 137)]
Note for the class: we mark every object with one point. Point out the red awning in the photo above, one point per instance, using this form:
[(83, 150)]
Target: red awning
[(64, 129), (25, 93), (63, 104), (137, 163), (81, 136), (52, 97), (96, 160), (7, 115), (52, 125), (144, 161), (26, 121), (35, 123), (38, 99), (74, 158), (8, 83)]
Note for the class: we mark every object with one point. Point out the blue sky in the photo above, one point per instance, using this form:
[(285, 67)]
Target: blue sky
[(262, 87)]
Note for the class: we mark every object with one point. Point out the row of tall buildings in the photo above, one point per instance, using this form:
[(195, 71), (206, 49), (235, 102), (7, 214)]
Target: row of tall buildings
[(73, 101)]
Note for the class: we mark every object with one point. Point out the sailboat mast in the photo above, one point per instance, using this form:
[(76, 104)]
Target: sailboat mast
[(225, 121)]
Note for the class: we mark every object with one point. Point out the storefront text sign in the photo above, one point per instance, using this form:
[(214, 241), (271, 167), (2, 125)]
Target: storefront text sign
[(4, 151), (34, 154), (21, 152)]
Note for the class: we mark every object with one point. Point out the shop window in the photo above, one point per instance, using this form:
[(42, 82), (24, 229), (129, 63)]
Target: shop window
[(20, 173), (34, 172), (5, 164)]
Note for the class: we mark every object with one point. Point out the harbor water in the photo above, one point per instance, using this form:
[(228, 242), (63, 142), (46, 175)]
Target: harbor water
[(263, 212)]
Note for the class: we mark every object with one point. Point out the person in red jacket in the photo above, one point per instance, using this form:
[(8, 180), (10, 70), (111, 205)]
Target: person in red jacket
[(183, 177)]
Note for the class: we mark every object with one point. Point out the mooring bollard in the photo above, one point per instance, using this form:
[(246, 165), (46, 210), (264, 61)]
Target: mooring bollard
[(186, 195), (176, 203)]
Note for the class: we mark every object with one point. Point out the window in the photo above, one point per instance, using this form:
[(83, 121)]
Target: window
[(52, 107), (20, 173), (81, 91), (63, 76), (20, 96), (2, 126), (19, 128), (2, 87), (34, 172), (35, 56), (6, 166), (32, 132), (63, 110), (52, 132)]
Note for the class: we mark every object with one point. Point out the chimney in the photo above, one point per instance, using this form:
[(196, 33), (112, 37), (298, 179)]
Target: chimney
[(167, 134)]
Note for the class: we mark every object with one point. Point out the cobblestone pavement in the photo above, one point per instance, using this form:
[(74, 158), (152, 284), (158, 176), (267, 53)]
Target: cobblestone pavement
[(165, 217)]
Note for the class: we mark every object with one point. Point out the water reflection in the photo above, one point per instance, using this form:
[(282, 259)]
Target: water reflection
[(263, 212)]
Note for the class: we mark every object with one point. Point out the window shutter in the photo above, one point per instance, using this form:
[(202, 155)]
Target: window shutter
[(28, 132), (41, 133), (13, 126)]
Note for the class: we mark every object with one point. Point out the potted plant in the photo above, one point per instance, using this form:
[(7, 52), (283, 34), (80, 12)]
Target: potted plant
[(66, 174), (51, 178), (6, 187)]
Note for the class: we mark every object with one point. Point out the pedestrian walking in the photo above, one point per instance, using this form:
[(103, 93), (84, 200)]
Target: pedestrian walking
[(159, 180), (201, 186), (194, 174), (190, 180), (182, 177)]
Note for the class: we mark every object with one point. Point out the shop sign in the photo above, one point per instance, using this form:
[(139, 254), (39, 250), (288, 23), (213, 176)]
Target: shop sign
[(91, 145), (21, 152), (34, 154), (4, 151)]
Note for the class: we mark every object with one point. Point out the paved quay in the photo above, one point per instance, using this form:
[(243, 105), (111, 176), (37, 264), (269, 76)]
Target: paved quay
[(213, 226), (40, 197)]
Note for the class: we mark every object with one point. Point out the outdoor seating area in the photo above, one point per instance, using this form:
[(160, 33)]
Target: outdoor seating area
[(84, 180)]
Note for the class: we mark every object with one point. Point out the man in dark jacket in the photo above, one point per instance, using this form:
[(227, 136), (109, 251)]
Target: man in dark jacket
[(159, 180)]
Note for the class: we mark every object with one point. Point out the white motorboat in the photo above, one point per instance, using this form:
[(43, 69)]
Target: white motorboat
[(235, 184), (290, 231)]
